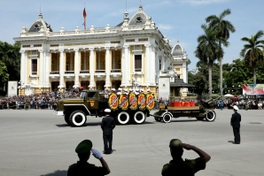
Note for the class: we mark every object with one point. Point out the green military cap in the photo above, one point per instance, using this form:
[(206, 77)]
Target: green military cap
[(176, 144), (84, 147)]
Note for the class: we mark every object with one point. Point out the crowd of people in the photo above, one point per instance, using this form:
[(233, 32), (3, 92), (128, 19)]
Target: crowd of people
[(246, 104), (48, 101), (37, 101)]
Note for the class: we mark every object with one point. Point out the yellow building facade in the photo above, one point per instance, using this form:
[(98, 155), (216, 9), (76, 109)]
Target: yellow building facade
[(132, 54)]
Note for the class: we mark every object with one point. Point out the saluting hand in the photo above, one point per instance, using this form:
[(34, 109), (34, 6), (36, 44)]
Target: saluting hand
[(96, 154), (187, 146)]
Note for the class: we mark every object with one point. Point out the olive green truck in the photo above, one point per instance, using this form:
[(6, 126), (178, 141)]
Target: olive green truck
[(125, 108)]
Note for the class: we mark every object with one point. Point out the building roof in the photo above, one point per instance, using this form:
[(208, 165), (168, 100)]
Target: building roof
[(140, 18), (179, 54), (180, 84), (39, 25)]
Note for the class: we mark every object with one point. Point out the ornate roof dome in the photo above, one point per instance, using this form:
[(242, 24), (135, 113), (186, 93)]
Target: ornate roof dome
[(177, 51), (139, 18), (40, 24), (139, 21)]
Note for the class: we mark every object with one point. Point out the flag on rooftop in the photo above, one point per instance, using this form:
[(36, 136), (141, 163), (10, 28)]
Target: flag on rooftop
[(84, 16), (84, 13)]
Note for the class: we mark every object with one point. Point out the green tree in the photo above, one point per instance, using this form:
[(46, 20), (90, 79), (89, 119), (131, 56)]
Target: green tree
[(235, 75), (253, 52), (10, 57), (208, 51), (3, 74), (222, 28), (9, 54), (199, 80)]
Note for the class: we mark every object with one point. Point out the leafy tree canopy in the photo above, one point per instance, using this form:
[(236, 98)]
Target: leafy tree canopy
[(3, 74), (10, 64)]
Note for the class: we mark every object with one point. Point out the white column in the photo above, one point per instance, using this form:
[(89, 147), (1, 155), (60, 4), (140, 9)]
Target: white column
[(184, 75), (157, 64), (77, 68), (41, 68), (23, 68), (186, 72), (126, 66), (163, 61), (62, 69), (147, 64), (152, 66), (92, 68), (107, 68), (48, 68)]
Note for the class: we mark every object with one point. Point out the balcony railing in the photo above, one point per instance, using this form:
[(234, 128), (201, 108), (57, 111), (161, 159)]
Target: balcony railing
[(33, 72), (54, 72), (85, 71), (138, 69), (69, 72), (99, 71), (115, 70)]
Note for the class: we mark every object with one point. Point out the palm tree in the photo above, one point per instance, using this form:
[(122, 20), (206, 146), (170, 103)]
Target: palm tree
[(253, 52), (222, 28), (208, 51)]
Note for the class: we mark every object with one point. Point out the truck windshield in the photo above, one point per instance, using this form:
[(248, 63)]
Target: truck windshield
[(88, 95), (83, 94)]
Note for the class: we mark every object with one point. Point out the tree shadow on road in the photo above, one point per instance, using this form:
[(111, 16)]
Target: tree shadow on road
[(57, 173)]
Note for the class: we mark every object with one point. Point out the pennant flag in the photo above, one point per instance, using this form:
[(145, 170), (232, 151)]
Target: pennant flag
[(84, 16), (84, 13)]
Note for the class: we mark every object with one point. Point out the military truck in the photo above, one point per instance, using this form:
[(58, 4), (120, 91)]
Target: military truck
[(201, 110), (126, 108)]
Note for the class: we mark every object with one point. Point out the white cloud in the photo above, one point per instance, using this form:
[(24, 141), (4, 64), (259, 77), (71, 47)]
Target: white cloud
[(203, 2), (165, 27)]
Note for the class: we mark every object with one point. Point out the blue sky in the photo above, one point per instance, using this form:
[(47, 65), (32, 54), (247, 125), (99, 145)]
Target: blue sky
[(179, 20)]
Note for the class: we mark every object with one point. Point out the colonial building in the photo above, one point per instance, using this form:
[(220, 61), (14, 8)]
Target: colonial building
[(179, 64), (132, 54)]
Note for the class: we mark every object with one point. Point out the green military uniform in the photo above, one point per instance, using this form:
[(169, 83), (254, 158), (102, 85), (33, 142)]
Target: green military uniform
[(178, 166), (85, 168), (82, 167), (183, 168)]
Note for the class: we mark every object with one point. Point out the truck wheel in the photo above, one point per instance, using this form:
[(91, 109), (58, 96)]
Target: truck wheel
[(166, 117), (123, 118), (67, 119), (139, 117), (210, 115), (77, 118)]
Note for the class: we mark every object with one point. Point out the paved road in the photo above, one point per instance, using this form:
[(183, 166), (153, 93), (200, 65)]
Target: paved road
[(37, 142)]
